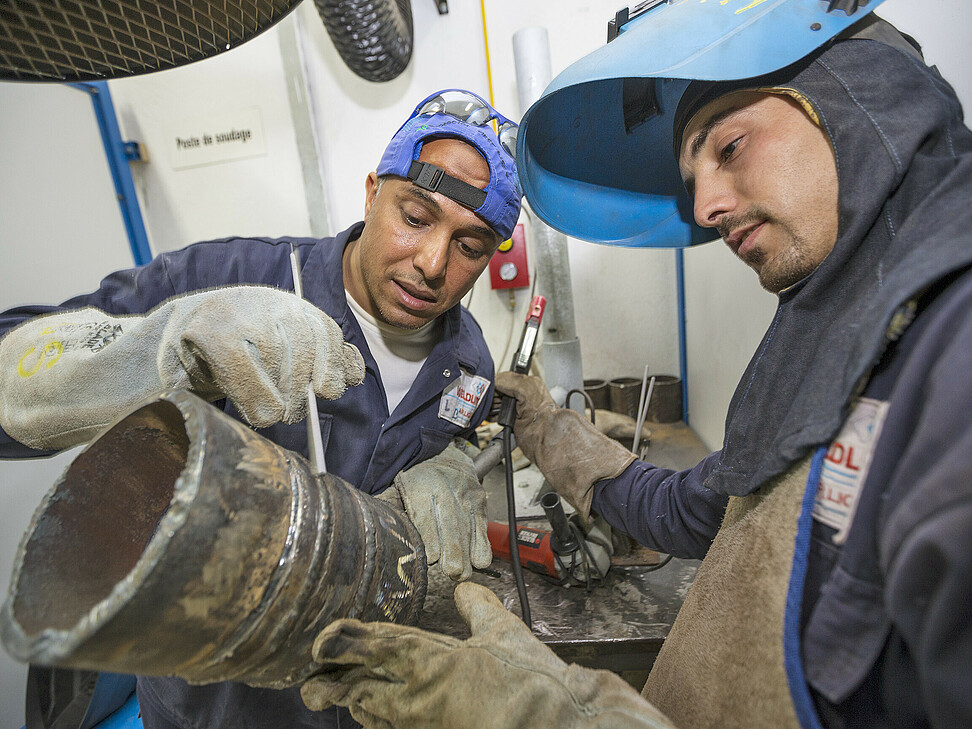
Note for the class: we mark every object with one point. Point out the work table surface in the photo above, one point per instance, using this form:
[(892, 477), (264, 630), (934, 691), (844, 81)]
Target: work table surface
[(621, 623)]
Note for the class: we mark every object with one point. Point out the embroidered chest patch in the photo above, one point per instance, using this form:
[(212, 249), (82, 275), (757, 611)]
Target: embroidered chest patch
[(846, 465), (460, 400)]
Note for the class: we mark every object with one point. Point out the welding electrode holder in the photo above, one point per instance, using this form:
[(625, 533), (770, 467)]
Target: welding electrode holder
[(523, 358)]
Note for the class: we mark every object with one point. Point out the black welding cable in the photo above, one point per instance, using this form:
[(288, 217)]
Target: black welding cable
[(587, 399), (511, 520), (654, 567), (586, 553)]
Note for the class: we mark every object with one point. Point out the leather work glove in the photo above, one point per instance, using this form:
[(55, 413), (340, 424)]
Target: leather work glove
[(395, 676), (65, 376), (570, 452), (447, 504)]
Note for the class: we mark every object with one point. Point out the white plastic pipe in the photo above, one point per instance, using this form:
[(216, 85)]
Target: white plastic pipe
[(531, 56), (560, 349)]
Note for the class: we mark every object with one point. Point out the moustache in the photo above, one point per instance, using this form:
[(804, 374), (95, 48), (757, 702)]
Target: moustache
[(729, 223)]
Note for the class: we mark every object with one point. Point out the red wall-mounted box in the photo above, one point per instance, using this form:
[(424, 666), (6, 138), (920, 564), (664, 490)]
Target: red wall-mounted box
[(508, 266)]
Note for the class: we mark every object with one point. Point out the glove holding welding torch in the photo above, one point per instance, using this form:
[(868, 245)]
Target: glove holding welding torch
[(65, 376), (399, 677), (570, 452)]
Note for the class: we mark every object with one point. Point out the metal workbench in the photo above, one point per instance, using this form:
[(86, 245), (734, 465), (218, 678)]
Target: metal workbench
[(621, 624)]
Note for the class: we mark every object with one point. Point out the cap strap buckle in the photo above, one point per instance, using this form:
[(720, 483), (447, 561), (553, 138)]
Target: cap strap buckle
[(434, 179), (425, 175)]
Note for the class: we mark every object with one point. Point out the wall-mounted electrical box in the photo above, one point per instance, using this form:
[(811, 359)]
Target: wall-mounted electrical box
[(508, 266)]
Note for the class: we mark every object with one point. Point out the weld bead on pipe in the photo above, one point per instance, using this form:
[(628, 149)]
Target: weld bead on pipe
[(180, 542)]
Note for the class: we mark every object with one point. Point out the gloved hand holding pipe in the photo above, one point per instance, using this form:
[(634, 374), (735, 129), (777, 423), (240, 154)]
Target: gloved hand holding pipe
[(501, 677), (447, 503)]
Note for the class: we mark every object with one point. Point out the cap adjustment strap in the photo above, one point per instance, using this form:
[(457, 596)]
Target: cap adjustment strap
[(434, 179)]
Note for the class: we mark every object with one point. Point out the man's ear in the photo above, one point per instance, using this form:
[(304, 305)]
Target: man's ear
[(371, 191)]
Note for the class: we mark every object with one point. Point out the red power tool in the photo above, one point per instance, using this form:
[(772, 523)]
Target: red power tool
[(536, 554), (541, 551)]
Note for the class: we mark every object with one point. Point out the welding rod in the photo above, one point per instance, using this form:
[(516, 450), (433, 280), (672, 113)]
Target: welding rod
[(642, 413), (315, 443)]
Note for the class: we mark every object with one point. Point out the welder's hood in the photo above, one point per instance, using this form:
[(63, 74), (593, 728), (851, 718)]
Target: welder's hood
[(904, 180), (595, 152)]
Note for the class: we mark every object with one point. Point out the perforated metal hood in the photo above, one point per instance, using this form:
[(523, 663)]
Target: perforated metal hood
[(92, 40)]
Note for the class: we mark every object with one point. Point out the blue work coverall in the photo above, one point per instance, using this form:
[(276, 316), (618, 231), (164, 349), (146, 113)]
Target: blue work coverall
[(364, 444)]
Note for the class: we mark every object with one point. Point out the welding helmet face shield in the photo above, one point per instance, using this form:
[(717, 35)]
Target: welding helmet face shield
[(595, 151)]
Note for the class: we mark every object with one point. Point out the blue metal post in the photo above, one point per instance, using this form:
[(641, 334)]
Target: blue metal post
[(119, 153), (682, 348)]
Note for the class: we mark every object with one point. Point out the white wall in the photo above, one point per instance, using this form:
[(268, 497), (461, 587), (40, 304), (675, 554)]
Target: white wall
[(358, 117), (60, 232), (60, 229), (261, 195)]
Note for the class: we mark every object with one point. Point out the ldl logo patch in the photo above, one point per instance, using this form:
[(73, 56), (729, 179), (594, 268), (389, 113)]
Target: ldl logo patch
[(846, 464), (461, 399)]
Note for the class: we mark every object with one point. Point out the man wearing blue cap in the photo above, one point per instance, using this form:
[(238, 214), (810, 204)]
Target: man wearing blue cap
[(836, 521), (403, 371)]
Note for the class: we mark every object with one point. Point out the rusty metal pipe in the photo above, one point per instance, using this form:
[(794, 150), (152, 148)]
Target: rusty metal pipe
[(182, 543)]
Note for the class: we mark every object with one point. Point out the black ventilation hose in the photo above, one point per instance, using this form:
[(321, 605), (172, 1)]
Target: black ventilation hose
[(373, 37)]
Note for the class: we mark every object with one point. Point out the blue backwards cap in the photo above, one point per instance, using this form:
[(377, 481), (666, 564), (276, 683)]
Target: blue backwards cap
[(499, 203)]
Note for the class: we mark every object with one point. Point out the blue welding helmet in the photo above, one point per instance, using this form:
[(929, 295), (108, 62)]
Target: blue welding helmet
[(595, 151)]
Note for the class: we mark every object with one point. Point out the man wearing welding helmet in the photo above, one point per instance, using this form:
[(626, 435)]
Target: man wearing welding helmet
[(380, 337), (835, 590)]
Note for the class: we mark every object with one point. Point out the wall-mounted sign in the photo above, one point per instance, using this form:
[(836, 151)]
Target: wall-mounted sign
[(216, 138)]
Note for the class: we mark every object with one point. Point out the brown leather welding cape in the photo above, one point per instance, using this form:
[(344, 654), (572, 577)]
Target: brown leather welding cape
[(722, 663)]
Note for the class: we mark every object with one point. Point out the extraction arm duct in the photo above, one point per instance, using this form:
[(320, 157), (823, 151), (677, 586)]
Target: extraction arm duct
[(96, 40)]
